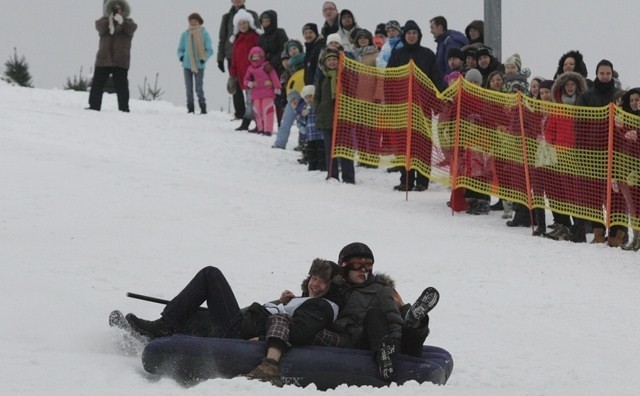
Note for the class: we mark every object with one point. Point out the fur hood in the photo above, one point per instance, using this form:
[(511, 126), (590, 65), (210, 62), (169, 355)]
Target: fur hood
[(556, 89), (386, 279), (109, 4), (626, 99), (580, 65)]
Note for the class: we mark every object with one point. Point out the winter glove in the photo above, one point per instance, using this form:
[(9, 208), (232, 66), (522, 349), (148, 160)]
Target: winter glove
[(118, 18), (181, 58), (221, 66), (112, 28), (251, 84), (267, 68), (277, 91), (232, 83)]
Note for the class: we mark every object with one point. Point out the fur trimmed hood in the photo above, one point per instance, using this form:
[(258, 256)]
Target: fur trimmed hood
[(109, 4), (561, 80), (581, 67)]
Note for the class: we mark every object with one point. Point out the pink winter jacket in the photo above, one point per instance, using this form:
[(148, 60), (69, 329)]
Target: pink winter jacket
[(265, 83)]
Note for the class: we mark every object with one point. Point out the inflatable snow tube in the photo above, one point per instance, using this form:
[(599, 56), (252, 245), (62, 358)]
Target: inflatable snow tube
[(191, 360)]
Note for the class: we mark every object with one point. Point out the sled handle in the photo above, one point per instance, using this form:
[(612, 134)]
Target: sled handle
[(155, 300)]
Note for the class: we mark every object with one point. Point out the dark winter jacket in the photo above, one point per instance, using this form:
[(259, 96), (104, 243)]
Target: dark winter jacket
[(311, 56), (592, 134), (446, 41), (324, 103), (114, 50), (225, 47), (327, 28), (376, 293), (273, 41), (423, 57)]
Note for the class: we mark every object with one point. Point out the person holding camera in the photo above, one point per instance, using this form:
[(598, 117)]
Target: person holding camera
[(116, 30)]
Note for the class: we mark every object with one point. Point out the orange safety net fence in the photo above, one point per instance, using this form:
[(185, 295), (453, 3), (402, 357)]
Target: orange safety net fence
[(579, 161)]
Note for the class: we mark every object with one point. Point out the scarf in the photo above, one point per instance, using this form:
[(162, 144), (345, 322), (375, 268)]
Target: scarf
[(603, 87), (332, 75), (196, 48), (566, 99)]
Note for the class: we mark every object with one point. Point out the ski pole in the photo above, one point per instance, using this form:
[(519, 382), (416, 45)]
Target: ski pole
[(155, 300)]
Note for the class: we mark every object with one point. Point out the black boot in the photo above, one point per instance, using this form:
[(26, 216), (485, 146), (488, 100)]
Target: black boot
[(541, 229), (151, 328), (203, 108), (190, 108), (245, 125), (384, 357)]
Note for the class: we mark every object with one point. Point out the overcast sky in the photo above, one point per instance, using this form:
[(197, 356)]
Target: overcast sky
[(58, 38)]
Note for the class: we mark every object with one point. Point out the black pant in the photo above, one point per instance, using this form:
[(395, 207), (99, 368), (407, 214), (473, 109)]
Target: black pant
[(238, 97), (120, 81), (415, 177), (315, 155), (208, 285)]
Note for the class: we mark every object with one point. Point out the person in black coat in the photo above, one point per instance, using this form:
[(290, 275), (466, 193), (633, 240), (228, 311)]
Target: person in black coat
[(314, 44), (425, 60), (272, 41), (331, 18)]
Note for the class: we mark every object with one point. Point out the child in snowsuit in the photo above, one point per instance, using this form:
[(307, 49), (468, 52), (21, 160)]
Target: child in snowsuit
[(264, 88)]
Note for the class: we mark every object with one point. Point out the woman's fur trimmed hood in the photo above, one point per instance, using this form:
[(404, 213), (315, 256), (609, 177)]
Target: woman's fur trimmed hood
[(561, 80), (109, 4)]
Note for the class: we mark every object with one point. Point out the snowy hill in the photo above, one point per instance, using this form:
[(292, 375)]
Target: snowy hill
[(95, 204)]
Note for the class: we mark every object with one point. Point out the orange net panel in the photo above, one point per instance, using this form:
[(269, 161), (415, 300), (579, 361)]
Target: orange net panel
[(573, 160)]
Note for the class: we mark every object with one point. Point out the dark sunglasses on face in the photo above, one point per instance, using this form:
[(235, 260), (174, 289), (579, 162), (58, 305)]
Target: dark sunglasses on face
[(358, 264)]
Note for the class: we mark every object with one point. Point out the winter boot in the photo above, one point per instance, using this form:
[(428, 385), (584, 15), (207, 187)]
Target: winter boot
[(498, 205), (245, 125), (203, 108), (472, 203), (598, 235), (540, 221), (560, 233), (419, 310), (482, 208), (151, 328), (635, 242), (508, 209), (267, 371), (577, 232), (385, 356), (190, 108), (617, 239)]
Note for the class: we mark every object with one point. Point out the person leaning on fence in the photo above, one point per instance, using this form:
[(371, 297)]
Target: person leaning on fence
[(324, 101), (629, 143), (115, 29), (194, 50), (559, 131), (425, 60), (593, 135)]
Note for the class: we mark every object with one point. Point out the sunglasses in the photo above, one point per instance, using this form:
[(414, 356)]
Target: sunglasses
[(358, 264)]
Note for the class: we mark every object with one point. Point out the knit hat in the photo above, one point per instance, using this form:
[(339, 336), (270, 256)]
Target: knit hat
[(604, 62), (456, 53), (484, 51), (308, 90), (330, 53), (293, 43), (243, 15), (355, 249), (310, 26), (381, 29), (393, 24), (474, 76), (514, 60), (546, 84), (452, 76), (363, 33), (334, 38)]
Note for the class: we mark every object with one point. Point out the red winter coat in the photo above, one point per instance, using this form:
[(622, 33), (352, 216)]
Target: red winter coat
[(240, 58)]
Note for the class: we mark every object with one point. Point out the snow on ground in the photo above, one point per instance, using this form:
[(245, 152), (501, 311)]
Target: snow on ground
[(95, 204)]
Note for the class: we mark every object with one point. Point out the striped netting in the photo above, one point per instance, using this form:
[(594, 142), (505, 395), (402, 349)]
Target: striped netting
[(573, 160)]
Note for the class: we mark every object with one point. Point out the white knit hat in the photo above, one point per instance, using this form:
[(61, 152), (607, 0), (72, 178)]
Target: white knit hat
[(243, 15), (308, 90), (514, 60), (334, 38)]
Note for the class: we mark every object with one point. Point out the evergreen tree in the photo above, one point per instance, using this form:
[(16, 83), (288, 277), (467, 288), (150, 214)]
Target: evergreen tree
[(17, 70), (79, 83)]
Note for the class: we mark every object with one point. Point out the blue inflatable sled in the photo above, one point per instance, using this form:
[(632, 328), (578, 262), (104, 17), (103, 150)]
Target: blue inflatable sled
[(191, 360)]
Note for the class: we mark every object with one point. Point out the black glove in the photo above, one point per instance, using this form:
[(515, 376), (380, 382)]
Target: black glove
[(181, 58), (221, 66)]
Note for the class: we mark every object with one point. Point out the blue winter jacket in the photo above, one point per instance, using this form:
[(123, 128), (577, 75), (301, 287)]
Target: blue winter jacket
[(450, 39), (184, 55)]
